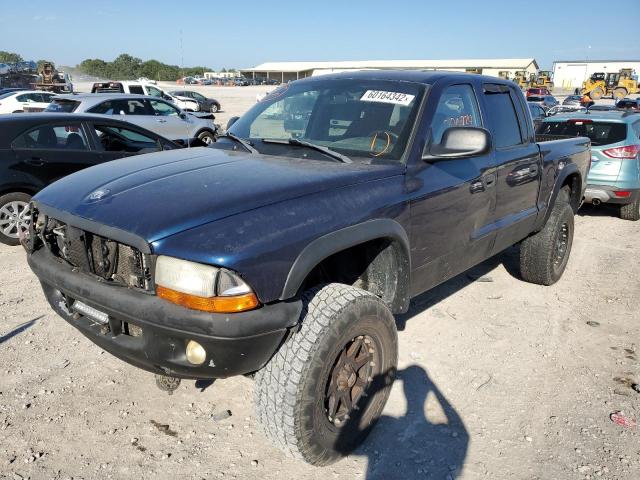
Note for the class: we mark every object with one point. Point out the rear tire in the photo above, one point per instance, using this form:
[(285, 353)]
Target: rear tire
[(14, 216), (215, 108), (631, 211), (596, 93), (544, 256), (345, 352)]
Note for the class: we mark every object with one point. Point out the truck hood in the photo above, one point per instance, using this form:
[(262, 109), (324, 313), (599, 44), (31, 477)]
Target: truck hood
[(157, 195)]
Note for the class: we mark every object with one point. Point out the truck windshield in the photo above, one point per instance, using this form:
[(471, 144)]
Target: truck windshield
[(357, 118), (600, 133)]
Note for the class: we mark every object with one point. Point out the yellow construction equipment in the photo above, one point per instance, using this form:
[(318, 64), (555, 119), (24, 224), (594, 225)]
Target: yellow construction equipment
[(522, 79), (542, 80), (617, 85)]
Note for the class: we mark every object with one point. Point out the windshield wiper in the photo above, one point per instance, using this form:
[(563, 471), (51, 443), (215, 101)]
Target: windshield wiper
[(302, 143), (241, 141)]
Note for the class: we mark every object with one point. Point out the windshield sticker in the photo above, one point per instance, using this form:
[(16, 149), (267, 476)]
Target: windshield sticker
[(381, 96)]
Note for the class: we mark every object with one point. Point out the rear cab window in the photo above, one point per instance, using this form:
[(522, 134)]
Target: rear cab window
[(600, 132), (506, 123), (47, 137)]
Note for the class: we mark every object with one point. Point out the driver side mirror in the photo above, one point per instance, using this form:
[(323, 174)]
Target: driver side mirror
[(183, 115), (231, 121), (459, 142)]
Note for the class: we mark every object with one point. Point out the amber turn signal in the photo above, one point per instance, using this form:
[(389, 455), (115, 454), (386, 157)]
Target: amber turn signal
[(233, 304)]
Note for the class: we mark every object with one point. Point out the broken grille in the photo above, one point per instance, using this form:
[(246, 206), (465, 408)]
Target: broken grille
[(91, 253)]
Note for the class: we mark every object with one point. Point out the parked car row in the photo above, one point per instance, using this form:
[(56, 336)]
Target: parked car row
[(40, 148)]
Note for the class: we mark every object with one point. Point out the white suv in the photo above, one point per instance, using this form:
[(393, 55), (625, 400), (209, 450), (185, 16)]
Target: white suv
[(143, 88)]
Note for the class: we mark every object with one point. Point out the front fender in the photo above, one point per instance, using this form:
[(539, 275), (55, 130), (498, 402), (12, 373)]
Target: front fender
[(326, 245)]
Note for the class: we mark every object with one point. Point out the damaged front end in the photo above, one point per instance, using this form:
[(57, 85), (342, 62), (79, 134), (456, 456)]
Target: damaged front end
[(88, 253)]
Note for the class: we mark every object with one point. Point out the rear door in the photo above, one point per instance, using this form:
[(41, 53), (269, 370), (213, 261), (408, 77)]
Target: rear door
[(518, 161), (51, 151)]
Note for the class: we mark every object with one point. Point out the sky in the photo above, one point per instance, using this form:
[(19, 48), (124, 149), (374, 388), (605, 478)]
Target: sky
[(238, 34)]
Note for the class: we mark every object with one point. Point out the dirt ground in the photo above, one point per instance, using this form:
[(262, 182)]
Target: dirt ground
[(498, 379)]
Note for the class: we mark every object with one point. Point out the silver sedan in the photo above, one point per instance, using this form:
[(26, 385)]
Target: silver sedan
[(152, 113)]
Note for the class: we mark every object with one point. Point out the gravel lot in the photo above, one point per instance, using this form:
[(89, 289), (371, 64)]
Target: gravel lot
[(498, 379)]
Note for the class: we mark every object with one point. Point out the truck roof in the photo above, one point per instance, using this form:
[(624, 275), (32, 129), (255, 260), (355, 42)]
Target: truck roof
[(415, 76)]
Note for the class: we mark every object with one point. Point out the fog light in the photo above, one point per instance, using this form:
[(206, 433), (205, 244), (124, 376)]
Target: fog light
[(196, 353)]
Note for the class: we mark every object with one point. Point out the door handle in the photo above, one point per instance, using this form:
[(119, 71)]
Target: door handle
[(533, 170), (161, 120), (489, 180), (34, 161)]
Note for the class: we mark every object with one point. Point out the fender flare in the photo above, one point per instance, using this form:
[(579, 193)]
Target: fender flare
[(569, 170), (326, 245)]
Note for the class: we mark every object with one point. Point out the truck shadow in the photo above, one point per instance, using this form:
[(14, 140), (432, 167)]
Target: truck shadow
[(413, 445), (508, 258), (19, 329), (603, 210)]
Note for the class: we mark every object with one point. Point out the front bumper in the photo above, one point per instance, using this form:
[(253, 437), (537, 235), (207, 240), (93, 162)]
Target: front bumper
[(236, 343), (606, 194)]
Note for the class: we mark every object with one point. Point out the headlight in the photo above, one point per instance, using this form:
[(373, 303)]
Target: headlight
[(202, 287)]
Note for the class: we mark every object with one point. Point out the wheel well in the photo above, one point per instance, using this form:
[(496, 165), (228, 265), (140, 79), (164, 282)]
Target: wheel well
[(574, 183), (378, 266), (26, 190)]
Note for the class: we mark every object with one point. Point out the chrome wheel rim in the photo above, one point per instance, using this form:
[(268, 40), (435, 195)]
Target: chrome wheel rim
[(15, 217), (214, 109)]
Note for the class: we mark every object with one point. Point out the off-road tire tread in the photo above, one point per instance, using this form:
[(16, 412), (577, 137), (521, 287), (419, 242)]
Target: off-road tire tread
[(277, 390), (536, 251), (630, 211)]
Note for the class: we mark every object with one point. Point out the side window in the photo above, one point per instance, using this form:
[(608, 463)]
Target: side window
[(69, 137), (118, 139), (27, 97), (154, 92), (136, 89), (457, 107), (163, 109), (506, 127)]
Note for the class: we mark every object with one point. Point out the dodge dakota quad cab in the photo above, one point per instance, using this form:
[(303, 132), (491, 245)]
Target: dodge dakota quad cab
[(283, 251)]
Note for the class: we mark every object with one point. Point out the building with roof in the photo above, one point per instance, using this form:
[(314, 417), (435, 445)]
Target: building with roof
[(287, 71), (570, 74)]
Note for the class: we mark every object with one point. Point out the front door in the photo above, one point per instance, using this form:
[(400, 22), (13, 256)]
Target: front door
[(453, 201)]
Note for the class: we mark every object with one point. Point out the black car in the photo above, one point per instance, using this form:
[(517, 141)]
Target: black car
[(40, 148), (206, 104)]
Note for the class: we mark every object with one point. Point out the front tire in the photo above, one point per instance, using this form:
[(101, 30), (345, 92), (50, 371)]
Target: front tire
[(544, 256), (323, 391), (630, 211), (15, 216), (215, 108), (207, 137)]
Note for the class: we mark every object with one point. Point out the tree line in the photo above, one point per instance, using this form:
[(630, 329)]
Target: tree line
[(124, 67)]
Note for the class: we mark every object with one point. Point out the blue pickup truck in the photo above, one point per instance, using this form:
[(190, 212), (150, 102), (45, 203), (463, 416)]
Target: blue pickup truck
[(283, 251)]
